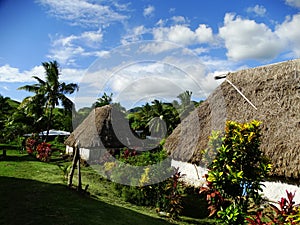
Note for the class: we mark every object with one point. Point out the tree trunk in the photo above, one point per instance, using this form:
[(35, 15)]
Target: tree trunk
[(76, 160), (79, 188), (71, 174), (4, 153), (49, 123)]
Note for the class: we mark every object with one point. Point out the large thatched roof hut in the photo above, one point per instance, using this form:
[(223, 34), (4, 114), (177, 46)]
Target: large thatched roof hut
[(270, 94)]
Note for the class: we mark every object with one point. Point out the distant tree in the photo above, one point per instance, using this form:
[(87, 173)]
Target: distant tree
[(154, 119), (49, 94), (5, 111), (186, 104), (104, 100)]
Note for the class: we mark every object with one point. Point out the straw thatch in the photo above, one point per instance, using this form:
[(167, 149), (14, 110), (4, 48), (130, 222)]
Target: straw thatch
[(274, 91), (105, 127)]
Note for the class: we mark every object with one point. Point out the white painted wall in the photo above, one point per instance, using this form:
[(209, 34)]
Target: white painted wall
[(84, 152), (273, 191)]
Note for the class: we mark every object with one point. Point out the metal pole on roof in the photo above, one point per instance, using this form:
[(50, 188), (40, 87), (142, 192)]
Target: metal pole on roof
[(222, 76)]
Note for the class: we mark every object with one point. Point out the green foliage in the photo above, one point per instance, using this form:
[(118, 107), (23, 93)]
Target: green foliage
[(146, 187), (47, 96), (238, 170), (7, 108), (173, 192), (233, 214), (104, 100), (209, 154), (286, 213), (158, 117)]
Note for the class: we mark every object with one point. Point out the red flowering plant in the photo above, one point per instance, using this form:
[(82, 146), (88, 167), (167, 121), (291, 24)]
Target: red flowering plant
[(284, 213), (31, 145), (43, 152), (286, 210)]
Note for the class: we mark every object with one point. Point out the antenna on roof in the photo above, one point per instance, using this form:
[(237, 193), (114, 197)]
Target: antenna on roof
[(221, 76)]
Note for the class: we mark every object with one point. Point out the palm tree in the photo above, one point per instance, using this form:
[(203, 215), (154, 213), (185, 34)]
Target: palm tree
[(104, 100), (186, 105), (50, 93)]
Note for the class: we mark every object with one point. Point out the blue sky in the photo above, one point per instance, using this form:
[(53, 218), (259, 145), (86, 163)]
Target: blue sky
[(222, 35)]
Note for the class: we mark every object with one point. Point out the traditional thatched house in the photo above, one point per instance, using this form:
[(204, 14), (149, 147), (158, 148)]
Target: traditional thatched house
[(270, 94), (103, 129)]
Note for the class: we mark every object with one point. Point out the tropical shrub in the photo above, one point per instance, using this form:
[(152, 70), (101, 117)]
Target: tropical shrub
[(173, 193), (209, 154), (286, 213), (146, 186), (237, 171), (31, 145), (43, 151)]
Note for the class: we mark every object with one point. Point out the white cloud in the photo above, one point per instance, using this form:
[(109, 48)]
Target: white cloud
[(135, 72), (71, 75), (204, 33), (183, 35), (66, 49), (289, 33), (84, 12), (12, 74), (134, 34), (154, 80), (180, 34), (294, 3), (246, 39), (92, 38), (259, 10), (149, 11), (172, 10), (179, 20), (157, 47)]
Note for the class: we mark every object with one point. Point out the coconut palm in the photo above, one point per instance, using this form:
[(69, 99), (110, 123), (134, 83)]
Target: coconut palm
[(50, 93), (186, 105), (104, 100)]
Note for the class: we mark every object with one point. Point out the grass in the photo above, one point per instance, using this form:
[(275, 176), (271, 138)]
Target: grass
[(33, 192)]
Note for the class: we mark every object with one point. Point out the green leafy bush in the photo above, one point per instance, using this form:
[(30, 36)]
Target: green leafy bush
[(237, 171), (146, 187)]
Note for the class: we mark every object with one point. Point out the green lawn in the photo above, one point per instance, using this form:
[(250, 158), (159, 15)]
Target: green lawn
[(33, 192)]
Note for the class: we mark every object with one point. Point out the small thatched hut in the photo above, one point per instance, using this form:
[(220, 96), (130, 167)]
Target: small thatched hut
[(104, 128), (271, 95)]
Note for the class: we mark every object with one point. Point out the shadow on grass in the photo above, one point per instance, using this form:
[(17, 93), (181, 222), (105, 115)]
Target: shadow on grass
[(31, 202), (18, 158)]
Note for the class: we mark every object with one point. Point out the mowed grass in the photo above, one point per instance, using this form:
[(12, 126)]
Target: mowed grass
[(33, 192)]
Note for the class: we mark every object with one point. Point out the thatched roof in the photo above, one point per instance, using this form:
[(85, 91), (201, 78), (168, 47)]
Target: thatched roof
[(105, 127), (274, 91)]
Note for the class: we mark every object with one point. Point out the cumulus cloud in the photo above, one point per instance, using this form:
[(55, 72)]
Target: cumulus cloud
[(11, 74), (134, 34), (246, 39), (180, 20), (183, 35), (289, 33), (149, 11), (134, 73), (259, 10), (294, 3), (85, 13), (66, 49)]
